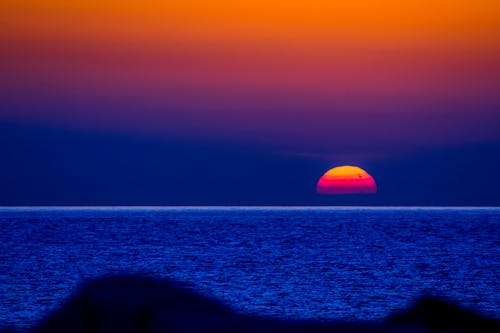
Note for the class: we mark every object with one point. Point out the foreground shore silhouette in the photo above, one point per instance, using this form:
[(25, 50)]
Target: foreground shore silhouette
[(142, 305)]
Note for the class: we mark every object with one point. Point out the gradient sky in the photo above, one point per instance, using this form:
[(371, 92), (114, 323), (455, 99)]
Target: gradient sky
[(345, 81)]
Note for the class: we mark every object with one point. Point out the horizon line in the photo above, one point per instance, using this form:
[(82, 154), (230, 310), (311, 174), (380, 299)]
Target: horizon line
[(249, 207)]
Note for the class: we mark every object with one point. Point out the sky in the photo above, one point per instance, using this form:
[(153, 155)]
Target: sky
[(248, 102)]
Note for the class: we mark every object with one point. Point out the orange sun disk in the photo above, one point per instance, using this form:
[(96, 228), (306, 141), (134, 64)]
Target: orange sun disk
[(346, 180)]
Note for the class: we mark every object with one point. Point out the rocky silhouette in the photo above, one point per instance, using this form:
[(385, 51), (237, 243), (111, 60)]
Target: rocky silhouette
[(129, 304)]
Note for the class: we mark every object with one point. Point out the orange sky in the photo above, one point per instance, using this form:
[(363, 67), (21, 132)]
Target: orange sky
[(466, 22), (354, 40), (268, 55)]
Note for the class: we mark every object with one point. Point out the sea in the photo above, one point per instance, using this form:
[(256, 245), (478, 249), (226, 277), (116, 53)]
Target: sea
[(312, 263)]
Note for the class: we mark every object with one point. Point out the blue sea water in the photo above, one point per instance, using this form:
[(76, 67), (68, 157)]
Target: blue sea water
[(307, 263)]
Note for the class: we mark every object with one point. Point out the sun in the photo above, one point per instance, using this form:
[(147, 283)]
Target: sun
[(346, 179)]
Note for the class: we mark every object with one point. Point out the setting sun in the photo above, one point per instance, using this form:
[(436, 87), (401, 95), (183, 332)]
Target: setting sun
[(346, 180)]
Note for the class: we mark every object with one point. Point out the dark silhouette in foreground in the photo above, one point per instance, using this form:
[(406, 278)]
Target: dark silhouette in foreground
[(134, 304)]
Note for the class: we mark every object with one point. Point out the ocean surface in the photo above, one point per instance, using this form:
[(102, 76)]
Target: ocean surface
[(304, 263)]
